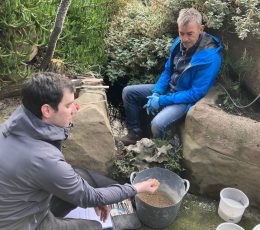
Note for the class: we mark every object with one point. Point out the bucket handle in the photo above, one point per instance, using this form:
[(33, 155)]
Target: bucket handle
[(187, 183), (132, 177)]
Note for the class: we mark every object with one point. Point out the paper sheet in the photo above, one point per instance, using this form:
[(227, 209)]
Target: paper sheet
[(90, 214)]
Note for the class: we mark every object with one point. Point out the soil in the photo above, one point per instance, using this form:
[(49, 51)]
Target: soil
[(158, 199)]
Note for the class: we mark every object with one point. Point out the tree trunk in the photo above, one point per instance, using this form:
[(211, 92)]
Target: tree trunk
[(59, 22)]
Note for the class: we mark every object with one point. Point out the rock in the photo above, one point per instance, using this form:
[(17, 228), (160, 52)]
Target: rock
[(146, 154), (91, 144), (221, 150)]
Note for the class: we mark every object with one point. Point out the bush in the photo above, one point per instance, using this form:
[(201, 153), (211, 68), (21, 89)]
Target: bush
[(138, 42), (81, 44), (29, 23), (240, 16), (22, 25), (140, 36)]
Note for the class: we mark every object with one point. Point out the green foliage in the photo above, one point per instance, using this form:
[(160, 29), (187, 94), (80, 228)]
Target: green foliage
[(138, 42), (127, 161), (247, 18), (233, 74), (29, 23), (81, 44), (122, 169), (21, 26), (240, 16)]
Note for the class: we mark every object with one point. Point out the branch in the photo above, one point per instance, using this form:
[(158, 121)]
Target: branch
[(59, 22)]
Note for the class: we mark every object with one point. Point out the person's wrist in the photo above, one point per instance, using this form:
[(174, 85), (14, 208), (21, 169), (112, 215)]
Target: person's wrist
[(138, 187), (156, 94)]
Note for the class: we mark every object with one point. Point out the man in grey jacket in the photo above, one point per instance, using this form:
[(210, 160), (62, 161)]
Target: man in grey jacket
[(33, 168)]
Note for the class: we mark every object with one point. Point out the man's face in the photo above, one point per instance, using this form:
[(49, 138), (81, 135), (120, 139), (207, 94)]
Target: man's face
[(190, 33), (66, 110)]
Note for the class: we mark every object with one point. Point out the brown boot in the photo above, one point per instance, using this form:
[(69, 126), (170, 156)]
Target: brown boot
[(130, 139)]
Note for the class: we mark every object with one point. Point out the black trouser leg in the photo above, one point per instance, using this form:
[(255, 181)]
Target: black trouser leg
[(61, 208)]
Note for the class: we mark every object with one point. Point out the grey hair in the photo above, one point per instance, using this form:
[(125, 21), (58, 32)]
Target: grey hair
[(187, 15)]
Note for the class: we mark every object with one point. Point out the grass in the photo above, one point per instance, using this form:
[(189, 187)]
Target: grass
[(197, 213)]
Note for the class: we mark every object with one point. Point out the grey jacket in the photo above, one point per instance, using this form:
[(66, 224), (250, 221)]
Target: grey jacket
[(32, 169)]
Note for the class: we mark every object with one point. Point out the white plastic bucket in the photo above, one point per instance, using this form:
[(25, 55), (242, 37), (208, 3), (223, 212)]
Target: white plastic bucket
[(229, 226), (257, 227), (232, 205)]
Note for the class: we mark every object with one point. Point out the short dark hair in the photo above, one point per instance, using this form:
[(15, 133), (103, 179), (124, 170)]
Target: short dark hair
[(44, 88)]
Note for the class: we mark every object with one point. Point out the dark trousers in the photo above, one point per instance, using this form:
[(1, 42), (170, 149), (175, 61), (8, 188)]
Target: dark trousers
[(60, 208)]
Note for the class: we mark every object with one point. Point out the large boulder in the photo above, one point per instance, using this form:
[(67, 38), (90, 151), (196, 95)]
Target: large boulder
[(221, 150), (91, 143)]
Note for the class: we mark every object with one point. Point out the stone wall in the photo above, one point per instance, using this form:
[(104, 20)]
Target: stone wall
[(221, 150)]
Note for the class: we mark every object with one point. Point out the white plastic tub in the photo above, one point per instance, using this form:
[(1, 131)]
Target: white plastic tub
[(229, 226), (232, 205), (257, 227)]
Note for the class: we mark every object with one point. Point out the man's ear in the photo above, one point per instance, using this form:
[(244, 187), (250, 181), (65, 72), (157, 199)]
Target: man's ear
[(46, 111), (202, 27)]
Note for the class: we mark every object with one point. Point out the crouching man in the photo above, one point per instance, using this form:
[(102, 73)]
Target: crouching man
[(33, 168)]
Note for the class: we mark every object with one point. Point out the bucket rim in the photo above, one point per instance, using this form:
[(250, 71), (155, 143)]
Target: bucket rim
[(238, 190), (229, 224), (153, 168), (256, 227)]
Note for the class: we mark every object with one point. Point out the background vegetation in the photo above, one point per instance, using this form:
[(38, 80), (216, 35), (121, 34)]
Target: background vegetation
[(28, 23), (144, 26), (132, 48)]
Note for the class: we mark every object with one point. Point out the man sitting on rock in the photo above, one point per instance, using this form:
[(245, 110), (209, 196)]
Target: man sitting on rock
[(33, 168), (190, 71)]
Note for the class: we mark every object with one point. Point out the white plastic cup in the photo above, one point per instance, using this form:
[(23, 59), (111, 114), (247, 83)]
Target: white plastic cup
[(257, 227), (232, 205), (229, 226)]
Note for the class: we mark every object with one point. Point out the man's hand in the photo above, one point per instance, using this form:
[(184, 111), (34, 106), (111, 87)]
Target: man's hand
[(152, 105), (148, 186), (103, 212)]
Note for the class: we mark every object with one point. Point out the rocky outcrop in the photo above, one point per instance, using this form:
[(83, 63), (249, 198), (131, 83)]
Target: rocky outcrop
[(91, 144), (221, 150)]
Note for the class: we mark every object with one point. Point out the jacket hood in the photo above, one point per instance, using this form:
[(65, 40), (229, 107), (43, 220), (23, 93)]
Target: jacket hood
[(23, 123), (208, 47)]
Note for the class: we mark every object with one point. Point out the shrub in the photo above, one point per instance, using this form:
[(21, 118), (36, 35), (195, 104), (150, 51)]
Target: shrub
[(81, 44), (240, 16), (138, 42), (140, 36), (29, 22), (22, 25)]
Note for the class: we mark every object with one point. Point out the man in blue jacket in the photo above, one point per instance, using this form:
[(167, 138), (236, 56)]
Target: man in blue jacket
[(33, 168), (189, 72)]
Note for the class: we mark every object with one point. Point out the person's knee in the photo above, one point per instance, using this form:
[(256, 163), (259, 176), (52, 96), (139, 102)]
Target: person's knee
[(157, 129), (126, 92)]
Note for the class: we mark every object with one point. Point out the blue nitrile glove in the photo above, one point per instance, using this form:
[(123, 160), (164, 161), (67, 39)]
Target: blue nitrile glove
[(152, 105), (148, 105)]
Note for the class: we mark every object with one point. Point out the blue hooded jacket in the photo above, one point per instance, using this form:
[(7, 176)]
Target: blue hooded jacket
[(196, 79)]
